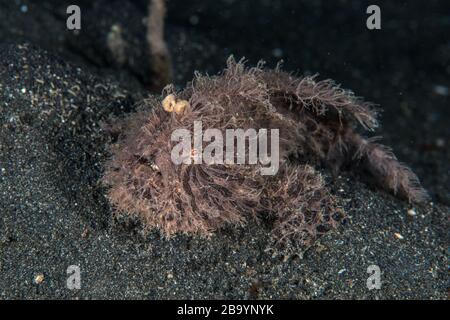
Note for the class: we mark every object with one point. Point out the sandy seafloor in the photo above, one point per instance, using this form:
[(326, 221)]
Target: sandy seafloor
[(56, 87)]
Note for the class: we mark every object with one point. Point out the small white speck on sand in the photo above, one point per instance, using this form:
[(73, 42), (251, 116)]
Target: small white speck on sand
[(398, 236), (39, 278), (342, 271)]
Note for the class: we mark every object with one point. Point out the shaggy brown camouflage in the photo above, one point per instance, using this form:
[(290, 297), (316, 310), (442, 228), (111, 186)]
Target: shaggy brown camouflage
[(316, 122)]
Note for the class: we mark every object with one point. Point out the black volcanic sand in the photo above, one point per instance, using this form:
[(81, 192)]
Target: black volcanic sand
[(57, 87)]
